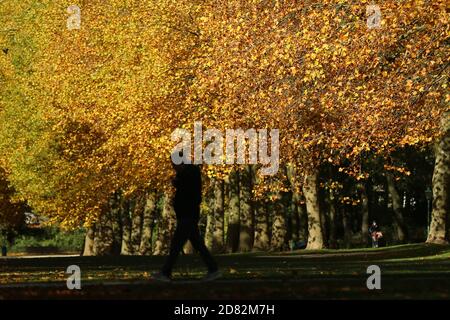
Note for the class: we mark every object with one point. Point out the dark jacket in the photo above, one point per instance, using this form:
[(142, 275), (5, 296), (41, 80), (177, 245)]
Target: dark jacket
[(373, 228), (188, 195)]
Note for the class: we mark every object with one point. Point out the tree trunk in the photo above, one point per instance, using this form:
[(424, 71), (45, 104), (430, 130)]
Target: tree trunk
[(278, 240), (315, 234), (233, 213), (149, 216), (441, 184), (262, 238), (136, 224), (333, 220), (322, 196), (295, 217), (303, 227), (397, 208), (89, 242), (160, 236), (116, 223), (166, 226), (300, 216), (245, 211), (219, 204), (126, 228), (365, 213), (348, 233), (103, 241), (210, 221)]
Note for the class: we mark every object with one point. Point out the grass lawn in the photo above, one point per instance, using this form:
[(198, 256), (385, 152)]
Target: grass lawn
[(415, 271)]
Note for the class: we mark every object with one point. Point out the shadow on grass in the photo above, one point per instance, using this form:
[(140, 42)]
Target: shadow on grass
[(301, 274)]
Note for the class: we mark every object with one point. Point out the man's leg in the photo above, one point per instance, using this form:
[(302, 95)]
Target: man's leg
[(179, 238), (199, 244)]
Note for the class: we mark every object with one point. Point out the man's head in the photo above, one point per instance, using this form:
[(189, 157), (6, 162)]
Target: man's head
[(175, 155)]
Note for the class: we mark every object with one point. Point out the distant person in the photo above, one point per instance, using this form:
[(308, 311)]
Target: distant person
[(375, 234), (186, 202)]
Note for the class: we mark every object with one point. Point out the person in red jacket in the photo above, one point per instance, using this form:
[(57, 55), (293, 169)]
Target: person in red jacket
[(375, 234)]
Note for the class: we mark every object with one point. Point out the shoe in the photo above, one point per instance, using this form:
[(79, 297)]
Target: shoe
[(161, 277), (211, 276)]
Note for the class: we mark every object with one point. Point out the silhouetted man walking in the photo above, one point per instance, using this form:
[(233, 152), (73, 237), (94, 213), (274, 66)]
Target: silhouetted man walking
[(186, 202)]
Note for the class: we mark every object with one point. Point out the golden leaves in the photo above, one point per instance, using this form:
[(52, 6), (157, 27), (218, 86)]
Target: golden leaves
[(136, 71)]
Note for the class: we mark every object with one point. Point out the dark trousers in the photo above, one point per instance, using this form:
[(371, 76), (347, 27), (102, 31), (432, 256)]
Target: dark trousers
[(187, 229), (374, 243)]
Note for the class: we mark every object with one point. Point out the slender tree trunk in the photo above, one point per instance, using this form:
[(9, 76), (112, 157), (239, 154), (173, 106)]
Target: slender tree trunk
[(127, 207), (245, 211), (324, 218), (149, 216), (166, 227), (348, 233), (210, 221), (397, 207), (315, 233), (233, 213), (299, 217), (365, 213), (89, 242), (441, 185), (116, 223), (261, 214), (160, 236), (279, 234), (333, 220), (303, 216), (169, 212), (262, 238), (136, 224), (219, 206), (295, 217)]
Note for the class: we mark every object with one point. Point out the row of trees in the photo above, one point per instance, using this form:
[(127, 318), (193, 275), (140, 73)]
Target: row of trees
[(87, 114), (243, 212)]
